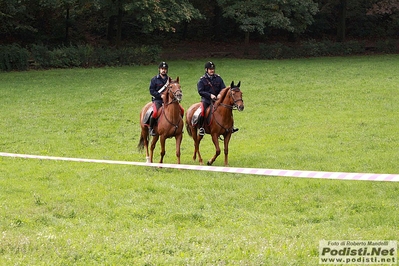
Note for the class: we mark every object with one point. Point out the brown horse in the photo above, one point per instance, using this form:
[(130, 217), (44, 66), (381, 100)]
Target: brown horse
[(170, 122), (219, 121)]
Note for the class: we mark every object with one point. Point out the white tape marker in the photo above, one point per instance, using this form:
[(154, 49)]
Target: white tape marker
[(252, 171)]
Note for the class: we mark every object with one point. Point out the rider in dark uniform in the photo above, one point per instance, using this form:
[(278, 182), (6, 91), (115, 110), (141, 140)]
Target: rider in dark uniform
[(157, 83), (209, 86)]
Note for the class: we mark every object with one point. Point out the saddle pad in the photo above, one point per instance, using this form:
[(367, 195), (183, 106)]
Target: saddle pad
[(194, 119), (147, 115)]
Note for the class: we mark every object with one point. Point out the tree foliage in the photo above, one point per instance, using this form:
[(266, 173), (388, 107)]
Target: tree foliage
[(257, 15), (110, 22), (14, 17), (384, 7), (161, 14)]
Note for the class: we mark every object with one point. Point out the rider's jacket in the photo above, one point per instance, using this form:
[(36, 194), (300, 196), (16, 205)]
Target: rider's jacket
[(156, 84), (208, 85)]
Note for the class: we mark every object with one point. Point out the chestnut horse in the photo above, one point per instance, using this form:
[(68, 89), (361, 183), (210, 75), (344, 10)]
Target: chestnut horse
[(219, 121), (169, 124)]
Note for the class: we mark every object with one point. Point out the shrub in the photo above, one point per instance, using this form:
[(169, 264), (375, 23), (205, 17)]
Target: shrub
[(387, 46), (41, 55), (87, 56), (104, 57), (311, 48), (13, 57), (273, 51)]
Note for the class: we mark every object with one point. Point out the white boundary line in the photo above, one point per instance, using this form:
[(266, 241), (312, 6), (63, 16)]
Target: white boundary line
[(253, 171)]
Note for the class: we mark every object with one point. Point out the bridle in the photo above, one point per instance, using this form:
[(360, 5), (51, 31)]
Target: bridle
[(235, 101), (234, 106), (175, 95)]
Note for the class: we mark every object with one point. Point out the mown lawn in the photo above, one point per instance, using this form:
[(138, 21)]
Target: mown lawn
[(322, 114)]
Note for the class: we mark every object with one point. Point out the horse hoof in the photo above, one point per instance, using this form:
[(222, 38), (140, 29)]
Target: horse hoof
[(209, 163)]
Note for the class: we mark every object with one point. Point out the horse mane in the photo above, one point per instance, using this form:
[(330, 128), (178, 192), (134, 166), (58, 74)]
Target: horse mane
[(222, 94), (177, 80)]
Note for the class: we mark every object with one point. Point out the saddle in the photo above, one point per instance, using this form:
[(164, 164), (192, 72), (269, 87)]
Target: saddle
[(150, 110), (147, 115), (197, 113)]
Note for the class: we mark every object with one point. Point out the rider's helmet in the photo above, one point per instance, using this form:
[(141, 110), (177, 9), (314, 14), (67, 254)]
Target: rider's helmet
[(163, 65), (209, 65)]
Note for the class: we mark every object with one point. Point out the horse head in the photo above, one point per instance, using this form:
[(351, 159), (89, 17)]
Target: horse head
[(236, 96), (174, 91)]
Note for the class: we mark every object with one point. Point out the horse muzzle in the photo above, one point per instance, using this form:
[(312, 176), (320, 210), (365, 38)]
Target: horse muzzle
[(179, 97)]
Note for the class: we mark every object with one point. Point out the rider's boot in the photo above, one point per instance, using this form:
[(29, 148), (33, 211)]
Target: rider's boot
[(151, 127), (201, 125)]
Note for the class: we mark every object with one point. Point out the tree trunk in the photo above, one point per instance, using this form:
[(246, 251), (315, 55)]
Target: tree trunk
[(341, 27), (67, 23), (119, 24), (110, 29), (216, 29), (184, 31), (246, 43)]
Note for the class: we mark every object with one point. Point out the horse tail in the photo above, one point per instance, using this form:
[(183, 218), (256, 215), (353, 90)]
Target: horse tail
[(140, 146), (188, 121)]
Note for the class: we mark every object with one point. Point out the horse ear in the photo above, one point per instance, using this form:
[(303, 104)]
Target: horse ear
[(232, 84), (239, 83), (170, 79), (177, 79)]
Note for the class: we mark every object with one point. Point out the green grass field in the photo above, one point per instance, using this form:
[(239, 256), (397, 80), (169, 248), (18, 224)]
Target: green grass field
[(322, 114)]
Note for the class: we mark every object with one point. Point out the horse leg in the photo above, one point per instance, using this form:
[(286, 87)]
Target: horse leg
[(153, 144), (162, 140), (145, 136), (144, 139), (179, 139), (226, 149), (197, 142), (217, 147)]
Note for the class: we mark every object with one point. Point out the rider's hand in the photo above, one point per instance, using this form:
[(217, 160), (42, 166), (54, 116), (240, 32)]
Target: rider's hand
[(213, 97)]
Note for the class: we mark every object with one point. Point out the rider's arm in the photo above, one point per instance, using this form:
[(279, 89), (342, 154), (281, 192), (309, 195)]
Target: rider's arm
[(154, 88), (202, 90)]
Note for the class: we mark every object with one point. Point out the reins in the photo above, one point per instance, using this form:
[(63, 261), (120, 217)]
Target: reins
[(228, 106), (174, 100)]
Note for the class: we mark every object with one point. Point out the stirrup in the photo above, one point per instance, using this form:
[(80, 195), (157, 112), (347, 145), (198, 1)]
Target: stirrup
[(152, 132), (234, 129), (201, 131)]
